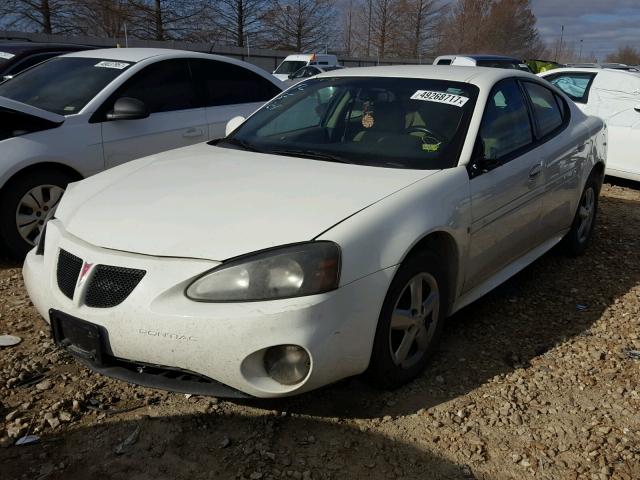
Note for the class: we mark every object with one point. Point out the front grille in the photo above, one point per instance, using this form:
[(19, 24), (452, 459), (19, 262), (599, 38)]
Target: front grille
[(69, 267), (110, 286)]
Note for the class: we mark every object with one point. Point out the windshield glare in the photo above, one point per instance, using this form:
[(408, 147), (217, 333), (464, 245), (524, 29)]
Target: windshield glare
[(62, 85), (289, 67), (388, 122)]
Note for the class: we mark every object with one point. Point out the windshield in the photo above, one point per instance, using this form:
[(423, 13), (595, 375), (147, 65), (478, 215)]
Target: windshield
[(287, 67), (62, 85), (387, 122)]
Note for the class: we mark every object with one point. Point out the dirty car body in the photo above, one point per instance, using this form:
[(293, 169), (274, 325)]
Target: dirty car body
[(264, 264)]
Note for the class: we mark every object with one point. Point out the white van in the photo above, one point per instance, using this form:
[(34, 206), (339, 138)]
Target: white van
[(293, 63)]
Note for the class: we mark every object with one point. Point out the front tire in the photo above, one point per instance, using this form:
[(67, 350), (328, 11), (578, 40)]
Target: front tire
[(25, 204), (577, 239), (410, 322)]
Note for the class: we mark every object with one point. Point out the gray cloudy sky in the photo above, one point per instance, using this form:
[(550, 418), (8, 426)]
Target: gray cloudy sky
[(603, 25)]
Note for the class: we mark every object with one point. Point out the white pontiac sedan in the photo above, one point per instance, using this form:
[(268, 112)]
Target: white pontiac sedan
[(81, 113), (329, 234)]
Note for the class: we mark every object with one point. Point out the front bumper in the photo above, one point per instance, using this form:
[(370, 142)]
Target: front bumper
[(157, 325)]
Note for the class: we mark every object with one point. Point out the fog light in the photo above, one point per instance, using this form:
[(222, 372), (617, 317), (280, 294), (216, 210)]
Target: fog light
[(287, 364)]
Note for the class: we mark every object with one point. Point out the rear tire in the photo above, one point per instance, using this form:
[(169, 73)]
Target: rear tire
[(25, 203), (577, 239), (410, 323)]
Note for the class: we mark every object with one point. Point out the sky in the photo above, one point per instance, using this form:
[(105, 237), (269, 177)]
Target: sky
[(602, 25)]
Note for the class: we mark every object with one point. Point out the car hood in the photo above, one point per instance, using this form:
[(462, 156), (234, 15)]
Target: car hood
[(216, 203), (9, 104)]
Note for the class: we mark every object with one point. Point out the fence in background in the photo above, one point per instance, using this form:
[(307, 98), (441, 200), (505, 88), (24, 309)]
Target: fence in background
[(267, 59)]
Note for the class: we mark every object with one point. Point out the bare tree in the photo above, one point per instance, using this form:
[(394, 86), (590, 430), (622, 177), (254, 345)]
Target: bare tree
[(512, 29), (239, 18), (420, 21), (466, 28), (164, 19), (101, 17), (46, 16), (626, 54), (301, 25)]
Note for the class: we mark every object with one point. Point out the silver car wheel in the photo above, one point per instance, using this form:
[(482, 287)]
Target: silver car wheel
[(414, 320), (34, 208), (586, 213)]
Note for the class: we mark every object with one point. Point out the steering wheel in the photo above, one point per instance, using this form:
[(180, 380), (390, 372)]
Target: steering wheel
[(429, 134)]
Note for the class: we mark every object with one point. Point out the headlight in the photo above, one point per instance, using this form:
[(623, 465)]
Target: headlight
[(283, 272)]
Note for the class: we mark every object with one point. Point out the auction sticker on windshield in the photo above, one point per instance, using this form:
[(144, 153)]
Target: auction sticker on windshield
[(6, 55), (440, 97), (116, 65)]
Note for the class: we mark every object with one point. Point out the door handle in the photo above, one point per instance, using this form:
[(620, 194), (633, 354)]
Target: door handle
[(535, 171), (193, 132)]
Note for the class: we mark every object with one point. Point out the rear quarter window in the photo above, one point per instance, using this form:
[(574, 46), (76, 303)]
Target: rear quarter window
[(549, 115)]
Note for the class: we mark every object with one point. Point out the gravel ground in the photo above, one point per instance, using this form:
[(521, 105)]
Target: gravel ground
[(540, 379)]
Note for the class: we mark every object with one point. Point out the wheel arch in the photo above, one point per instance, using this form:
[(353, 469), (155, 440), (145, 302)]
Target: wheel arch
[(599, 169), (444, 244), (52, 166)]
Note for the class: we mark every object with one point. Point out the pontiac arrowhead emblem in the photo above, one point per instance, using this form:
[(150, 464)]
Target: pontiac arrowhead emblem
[(86, 267)]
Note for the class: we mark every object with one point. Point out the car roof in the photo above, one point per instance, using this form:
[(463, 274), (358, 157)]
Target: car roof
[(613, 71), (129, 54), (139, 54), (481, 76)]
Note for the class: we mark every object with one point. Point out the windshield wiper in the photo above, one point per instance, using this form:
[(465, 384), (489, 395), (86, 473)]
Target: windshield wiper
[(313, 154), (239, 143)]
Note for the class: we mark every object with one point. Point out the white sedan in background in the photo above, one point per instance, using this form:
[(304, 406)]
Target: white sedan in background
[(81, 113), (309, 71), (329, 234), (614, 96)]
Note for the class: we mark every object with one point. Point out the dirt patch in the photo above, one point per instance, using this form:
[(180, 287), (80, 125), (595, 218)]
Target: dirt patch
[(540, 379)]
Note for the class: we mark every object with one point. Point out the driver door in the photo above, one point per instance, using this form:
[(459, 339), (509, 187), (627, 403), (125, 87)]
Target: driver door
[(506, 197)]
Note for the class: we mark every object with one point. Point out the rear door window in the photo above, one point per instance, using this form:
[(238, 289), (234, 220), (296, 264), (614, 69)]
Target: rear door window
[(228, 84), (547, 112)]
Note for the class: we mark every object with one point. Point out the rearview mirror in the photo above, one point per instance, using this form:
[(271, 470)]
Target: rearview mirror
[(232, 124), (127, 108)]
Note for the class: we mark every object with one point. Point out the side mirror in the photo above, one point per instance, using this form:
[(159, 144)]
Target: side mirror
[(479, 162), (127, 108), (232, 124)]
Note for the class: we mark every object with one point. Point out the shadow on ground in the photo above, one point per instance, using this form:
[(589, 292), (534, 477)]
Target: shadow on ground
[(622, 182), (219, 447)]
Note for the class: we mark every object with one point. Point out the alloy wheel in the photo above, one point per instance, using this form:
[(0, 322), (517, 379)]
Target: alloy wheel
[(586, 213), (414, 320), (34, 208)]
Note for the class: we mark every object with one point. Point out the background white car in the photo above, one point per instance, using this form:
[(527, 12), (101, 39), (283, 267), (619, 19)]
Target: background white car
[(78, 114), (614, 96), (293, 63), (331, 233), (308, 72)]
